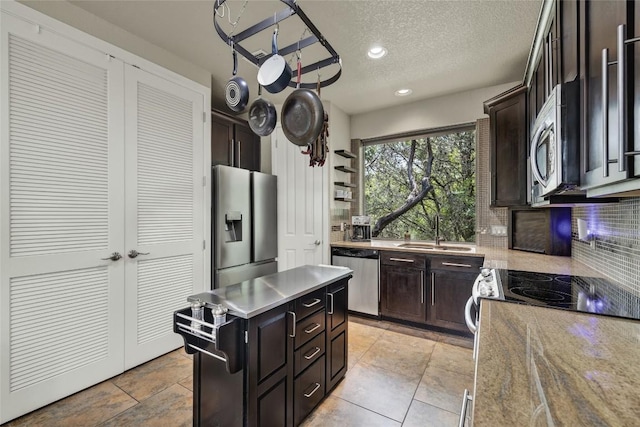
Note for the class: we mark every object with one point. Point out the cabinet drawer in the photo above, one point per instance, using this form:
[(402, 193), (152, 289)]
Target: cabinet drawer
[(403, 259), (310, 303), (308, 389), (309, 327), (457, 263), (309, 353)]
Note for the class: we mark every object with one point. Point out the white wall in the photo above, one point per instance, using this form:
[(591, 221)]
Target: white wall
[(463, 107), (97, 27)]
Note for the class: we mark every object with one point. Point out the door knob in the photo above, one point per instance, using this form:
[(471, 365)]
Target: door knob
[(317, 243), (114, 257), (133, 253)]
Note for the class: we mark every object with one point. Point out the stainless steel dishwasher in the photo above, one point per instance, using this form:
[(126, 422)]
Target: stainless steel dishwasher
[(364, 289)]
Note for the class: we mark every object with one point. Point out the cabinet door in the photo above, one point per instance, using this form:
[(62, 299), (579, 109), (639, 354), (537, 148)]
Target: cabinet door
[(450, 291), (164, 210), (247, 148), (599, 23), (61, 213), (403, 293), (337, 333), (270, 368), (508, 151), (567, 15), (222, 149)]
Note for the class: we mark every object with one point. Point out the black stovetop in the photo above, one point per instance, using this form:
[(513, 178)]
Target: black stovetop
[(577, 293)]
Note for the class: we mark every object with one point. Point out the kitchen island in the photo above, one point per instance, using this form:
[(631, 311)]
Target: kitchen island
[(543, 366), (281, 350)]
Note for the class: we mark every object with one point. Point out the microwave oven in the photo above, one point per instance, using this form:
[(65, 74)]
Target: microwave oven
[(554, 159)]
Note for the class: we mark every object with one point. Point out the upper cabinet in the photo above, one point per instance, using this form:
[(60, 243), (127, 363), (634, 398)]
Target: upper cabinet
[(508, 147), (233, 143), (610, 97)]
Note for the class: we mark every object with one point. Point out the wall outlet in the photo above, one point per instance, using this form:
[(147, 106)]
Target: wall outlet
[(498, 230)]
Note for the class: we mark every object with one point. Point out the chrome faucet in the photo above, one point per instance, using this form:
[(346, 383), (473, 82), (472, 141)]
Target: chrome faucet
[(438, 239)]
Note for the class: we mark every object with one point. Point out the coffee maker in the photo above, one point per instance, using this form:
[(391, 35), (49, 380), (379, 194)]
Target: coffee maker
[(361, 228)]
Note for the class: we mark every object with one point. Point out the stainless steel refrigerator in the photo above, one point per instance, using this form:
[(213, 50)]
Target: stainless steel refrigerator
[(244, 215)]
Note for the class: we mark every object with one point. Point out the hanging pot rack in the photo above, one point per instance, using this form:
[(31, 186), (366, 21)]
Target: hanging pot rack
[(316, 36)]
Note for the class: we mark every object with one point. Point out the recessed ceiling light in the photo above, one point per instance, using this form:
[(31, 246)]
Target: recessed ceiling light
[(403, 92), (377, 52)]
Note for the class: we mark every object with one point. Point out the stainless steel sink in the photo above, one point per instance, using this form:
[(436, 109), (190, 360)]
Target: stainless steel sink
[(434, 247)]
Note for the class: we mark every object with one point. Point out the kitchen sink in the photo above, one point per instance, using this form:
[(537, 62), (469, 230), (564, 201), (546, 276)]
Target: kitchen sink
[(434, 247)]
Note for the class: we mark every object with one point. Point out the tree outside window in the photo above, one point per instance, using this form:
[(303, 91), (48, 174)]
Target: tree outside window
[(410, 182)]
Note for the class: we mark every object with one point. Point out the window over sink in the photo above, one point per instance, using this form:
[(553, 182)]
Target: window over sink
[(411, 180)]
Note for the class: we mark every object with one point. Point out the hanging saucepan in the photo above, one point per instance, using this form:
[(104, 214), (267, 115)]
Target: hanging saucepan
[(262, 115), (302, 115), (237, 90), (274, 74)]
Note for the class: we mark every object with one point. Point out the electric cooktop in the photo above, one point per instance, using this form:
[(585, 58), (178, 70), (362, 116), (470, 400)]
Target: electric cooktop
[(578, 293)]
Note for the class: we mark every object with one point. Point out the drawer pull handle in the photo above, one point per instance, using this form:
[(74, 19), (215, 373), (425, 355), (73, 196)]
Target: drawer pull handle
[(308, 395), (315, 326), (401, 259), (454, 264), (311, 304), (312, 355)]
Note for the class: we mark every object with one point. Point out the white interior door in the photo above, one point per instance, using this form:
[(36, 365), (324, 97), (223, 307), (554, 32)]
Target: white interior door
[(61, 207), (164, 210), (301, 205)]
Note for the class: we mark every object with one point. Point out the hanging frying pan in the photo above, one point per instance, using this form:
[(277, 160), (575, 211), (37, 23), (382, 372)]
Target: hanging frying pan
[(302, 115), (262, 116), (237, 90), (274, 74)]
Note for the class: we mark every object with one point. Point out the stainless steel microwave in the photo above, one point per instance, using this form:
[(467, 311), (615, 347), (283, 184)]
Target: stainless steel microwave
[(555, 145)]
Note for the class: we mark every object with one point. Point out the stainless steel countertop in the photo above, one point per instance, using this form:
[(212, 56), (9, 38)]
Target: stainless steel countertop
[(252, 297)]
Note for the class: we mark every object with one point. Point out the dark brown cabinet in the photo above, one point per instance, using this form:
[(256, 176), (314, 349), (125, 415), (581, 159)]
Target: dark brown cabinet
[(337, 331), (233, 143), (508, 147), (609, 134), (402, 286), (451, 280)]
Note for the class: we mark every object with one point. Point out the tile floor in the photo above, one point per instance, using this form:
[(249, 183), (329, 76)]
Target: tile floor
[(398, 376)]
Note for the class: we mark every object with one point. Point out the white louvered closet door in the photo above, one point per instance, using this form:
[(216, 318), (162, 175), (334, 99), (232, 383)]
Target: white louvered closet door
[(164, 210), (61, 210)]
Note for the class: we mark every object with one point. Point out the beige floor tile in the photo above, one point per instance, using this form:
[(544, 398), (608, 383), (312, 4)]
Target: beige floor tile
[(187, 383), (422, 415), (379, 324), (408, 359), (338, 412), (443, 388), (89, 407), (460, 341), (171, 407), (154, 376), (415, 332), (452, 358), (358, 346), (423, 344), (382, 391)]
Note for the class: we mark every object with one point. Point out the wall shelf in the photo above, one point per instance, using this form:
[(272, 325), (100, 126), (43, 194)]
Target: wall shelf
[(345, 169), (345, 154), (344, 184)]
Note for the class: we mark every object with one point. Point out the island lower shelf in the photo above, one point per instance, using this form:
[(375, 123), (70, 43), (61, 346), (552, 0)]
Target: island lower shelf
[(292, 355)]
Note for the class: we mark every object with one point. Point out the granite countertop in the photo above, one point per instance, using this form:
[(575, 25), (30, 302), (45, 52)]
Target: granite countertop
[(252, 297), (542, 366), (493, 257)]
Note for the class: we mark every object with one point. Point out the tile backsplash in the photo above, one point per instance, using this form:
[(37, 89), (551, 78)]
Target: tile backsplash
[(616, 252), (486, 217)]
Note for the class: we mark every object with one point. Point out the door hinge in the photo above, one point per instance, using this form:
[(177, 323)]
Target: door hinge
[(246, 337), (204, 244)]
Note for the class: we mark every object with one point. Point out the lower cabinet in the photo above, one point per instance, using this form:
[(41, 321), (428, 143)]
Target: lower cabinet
[(430, 290), (402, 286), (451, 280), (294, 355)]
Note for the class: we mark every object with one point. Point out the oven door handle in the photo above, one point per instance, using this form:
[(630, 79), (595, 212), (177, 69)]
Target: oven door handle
[(467, 315), (532, 155)]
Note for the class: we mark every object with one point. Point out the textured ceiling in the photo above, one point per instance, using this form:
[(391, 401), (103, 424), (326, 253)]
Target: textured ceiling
[(435, 47)]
